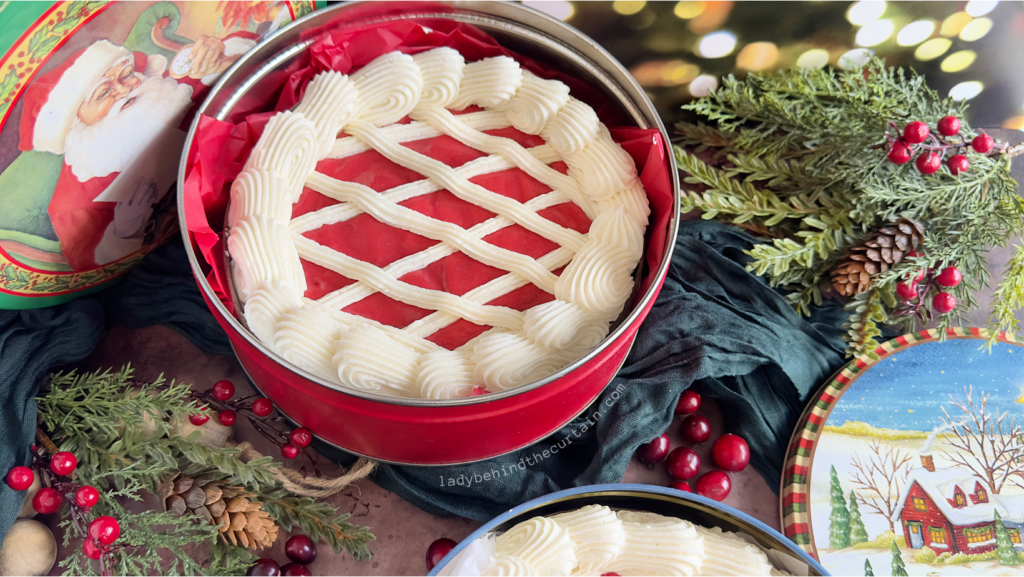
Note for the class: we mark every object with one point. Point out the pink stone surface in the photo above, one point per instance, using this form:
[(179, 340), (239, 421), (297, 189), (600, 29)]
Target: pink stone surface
[(403, 531)]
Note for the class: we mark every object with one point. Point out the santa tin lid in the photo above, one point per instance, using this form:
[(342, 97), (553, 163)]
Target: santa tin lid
[(911, 460)]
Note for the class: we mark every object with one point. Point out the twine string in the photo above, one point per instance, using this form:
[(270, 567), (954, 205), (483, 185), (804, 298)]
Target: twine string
[(314, 487)]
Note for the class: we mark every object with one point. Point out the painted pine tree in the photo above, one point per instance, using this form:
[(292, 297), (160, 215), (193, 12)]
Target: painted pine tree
[(868, 571), (898, 568), (839, 520), (858, 534), (1004, 547)]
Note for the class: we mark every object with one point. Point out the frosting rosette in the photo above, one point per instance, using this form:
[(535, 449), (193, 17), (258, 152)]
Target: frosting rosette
[(597, 534), (729, 554), (541, 542)]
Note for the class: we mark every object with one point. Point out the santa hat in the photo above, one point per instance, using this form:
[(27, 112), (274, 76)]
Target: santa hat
[(52, 101)]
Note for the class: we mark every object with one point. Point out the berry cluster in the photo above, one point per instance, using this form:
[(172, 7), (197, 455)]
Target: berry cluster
[(55, 472), (928, 282), (919, 137), (437, 551), (299, 548), (257, 409), (729, 452)]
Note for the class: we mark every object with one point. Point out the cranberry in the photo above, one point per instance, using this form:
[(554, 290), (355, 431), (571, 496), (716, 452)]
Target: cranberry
[(20, 478), (899, 152), (681, 486), (295, 570), (949, 125), (949, 277), (958, 163), (943, 303), (301, 549), (714, 485), (916, 132), (983, 143), (63, 463), (906, 291), (610, 575), (655, 451), (223, 390), (437, 550), (90, 549), (46, 501), (199, 420), (477, 391), (264, 566), (105, 529), (301, 437), (289, 451), (262, 407), (928, 163), (731, 452), (689, 402), (696, 429), (87, 497), (227, 417), (683, 463)]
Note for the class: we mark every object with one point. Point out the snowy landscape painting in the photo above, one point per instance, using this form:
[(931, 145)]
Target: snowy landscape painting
[(919, 468)]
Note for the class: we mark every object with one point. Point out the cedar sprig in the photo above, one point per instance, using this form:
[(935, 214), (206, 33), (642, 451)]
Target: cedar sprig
[(319, 521), (799, 157)]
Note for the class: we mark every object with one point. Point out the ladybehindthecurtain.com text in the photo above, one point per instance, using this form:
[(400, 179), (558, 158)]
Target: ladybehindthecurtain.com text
[(531, 460)]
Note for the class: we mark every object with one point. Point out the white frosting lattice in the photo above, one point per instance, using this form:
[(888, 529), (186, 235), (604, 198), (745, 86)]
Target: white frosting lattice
[(267, 245)]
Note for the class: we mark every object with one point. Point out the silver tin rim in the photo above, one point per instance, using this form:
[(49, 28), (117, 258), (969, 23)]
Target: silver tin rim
[(554, 35)]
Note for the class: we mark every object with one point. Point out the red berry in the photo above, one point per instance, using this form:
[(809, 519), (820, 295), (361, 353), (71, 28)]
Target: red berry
[(916, 132), (227, 417), (683, 463), (262, 407), (949, 125), (105, 529), (949, 277), (90, 549), (958, 163), (696, 429), (87, 497), (982, 143), (301, 437), (899, 152), (714, 485), (46, 501), (477, 391), (301, 549), (437, 550), (610, 575), (63, 463), (906, 291), (928, 163), (199, 420), (289, 451), (20, 478), (653, 452), (731, 452), (223, 390), (265, 566), (943, 303), (680, 486), (689, 402), (295, 570)]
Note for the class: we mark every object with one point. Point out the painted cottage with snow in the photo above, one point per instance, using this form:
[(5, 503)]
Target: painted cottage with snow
[(951, 510)]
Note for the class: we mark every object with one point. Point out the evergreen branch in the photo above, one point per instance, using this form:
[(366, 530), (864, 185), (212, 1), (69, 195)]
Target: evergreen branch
[(863, 323), (1009, 295), (319, 521)]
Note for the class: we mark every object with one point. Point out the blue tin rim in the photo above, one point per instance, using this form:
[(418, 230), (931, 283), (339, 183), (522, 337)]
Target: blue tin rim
[(791, 547)]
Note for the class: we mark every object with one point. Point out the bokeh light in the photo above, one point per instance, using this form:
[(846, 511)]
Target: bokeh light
[(958, 61), (955, 23), (1014, 123), (976, 29), (915, 33), (932, 49), (980, 8), (860, 13), (757, 56), (554, 8), (687, 9), (717, 44), (677, 72), (703, 85), (874, 33), (966, 90), (628, 7), (855, 58), (813, 58)]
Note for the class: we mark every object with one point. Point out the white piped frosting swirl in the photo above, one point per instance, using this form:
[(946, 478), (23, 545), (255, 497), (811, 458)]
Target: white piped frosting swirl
[(542, 543), (368, 359), (442, 70), (266, 305), (259, 191), (536, 103), (305, 336), (263, 252), (574, 127), (602, 167), (389, 88), (288, 147), (599, 279), (508, 360), (445, 375), (510, 567), (728, 554), (489, 83), (633, 200), (330, 102), (597, 534), (556, 324)]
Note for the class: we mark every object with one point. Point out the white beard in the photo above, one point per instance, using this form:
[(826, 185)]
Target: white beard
[(112, 144)]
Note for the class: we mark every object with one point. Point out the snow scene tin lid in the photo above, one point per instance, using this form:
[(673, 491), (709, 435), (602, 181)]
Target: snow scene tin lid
[(911, 460)]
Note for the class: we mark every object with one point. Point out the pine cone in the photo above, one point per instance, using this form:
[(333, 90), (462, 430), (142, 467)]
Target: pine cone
[(241, 518), (880, 251)]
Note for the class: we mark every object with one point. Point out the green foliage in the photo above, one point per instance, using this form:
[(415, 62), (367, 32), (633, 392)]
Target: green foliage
[(799, 156), (318, 521), (883, 541), (898, 568), (839, 520), (858, 534), (868, 571), (925, 555), (1004, 547)]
